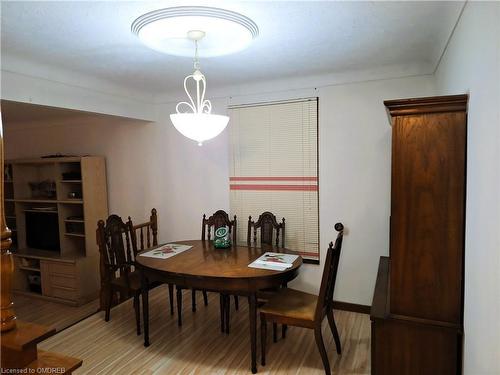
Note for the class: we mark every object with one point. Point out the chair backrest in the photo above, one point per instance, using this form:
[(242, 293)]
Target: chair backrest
[(325, 299), (217, 220), (267, 224), (145, 235), (114, 239)]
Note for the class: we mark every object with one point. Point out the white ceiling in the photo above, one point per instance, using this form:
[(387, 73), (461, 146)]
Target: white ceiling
[(297, 39)]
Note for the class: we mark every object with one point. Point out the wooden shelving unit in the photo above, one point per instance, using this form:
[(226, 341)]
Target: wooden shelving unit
[(75, 234), (69, 274)]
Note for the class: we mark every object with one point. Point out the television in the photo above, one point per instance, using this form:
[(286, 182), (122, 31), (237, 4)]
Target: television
[(42, 230)]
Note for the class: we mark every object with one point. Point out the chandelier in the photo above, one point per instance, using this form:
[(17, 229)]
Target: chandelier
[(173, 31), (198, 123)]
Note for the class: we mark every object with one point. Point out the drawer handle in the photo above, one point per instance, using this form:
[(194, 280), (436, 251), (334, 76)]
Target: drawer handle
[(62, 275)]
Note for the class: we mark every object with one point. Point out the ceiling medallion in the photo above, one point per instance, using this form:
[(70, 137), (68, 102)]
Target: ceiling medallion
[(173, 31), (165, 30)]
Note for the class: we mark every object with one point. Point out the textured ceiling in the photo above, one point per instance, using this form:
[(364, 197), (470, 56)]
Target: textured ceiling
[(296, 39)]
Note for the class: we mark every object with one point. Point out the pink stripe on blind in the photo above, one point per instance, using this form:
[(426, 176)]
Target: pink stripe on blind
[(296, 178), (275, 187)]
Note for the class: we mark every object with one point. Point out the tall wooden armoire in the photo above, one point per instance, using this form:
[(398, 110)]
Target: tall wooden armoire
[(417, 310)]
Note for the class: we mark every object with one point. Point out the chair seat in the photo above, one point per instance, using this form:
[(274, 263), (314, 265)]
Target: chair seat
[(134, 279), (291, 303)]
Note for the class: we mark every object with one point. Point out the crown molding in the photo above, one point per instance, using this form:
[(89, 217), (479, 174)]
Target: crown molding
[(305, 82)]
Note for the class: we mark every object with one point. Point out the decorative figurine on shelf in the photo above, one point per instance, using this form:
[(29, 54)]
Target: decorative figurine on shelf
[(222, 238)]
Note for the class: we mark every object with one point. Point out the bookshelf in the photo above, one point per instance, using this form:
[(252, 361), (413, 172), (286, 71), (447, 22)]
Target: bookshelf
[(64, 198)]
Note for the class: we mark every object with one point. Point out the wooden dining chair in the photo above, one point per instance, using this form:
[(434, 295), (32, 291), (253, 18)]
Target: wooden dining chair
[(296, 308), (268, 225), (144, 236), (217, 220), (269, 229), (221, 219), (114, 239)]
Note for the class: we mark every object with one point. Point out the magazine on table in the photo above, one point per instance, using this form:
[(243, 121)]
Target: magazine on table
[(166, 251), (274, 261)]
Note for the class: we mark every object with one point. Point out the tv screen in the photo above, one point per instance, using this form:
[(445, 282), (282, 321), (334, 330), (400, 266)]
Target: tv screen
[(42, 230)]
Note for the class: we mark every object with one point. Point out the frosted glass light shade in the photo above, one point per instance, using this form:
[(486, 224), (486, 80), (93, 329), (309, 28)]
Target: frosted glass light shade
[(199, 126)]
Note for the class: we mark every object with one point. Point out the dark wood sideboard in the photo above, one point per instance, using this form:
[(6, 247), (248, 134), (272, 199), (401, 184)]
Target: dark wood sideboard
[(417, 309)]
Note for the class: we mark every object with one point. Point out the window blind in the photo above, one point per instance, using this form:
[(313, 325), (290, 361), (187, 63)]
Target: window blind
[(274, 167)]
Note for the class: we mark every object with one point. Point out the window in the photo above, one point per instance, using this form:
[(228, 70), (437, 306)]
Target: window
[(274, 167)]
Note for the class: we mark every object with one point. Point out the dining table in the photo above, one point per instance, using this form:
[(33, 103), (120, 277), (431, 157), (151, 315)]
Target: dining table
[(204, 267)]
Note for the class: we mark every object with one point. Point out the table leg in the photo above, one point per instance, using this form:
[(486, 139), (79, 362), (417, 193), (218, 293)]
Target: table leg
[(145, 307), (222, 313), (252, 308)]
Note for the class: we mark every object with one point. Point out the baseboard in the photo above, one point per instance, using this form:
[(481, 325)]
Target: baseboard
[(354, 307)]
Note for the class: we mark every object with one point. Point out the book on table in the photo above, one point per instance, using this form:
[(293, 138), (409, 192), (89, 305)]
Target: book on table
[(274, 261), (166, 251)]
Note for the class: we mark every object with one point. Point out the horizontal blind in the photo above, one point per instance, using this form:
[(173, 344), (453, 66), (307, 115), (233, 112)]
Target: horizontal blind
[(274, 167)]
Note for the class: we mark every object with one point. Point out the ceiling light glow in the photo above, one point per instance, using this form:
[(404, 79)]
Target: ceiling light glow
[(165, 30)]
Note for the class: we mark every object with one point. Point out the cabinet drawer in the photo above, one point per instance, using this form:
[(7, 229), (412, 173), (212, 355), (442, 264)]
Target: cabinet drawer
[(62, 280), (66, 269), (64, 293)]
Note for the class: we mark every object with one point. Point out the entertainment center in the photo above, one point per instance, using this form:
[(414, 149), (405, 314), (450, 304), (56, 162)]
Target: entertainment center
[(52, 206)]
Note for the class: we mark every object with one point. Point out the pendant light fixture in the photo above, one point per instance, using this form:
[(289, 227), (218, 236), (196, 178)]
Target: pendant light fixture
[(173, 31), (198, 123)]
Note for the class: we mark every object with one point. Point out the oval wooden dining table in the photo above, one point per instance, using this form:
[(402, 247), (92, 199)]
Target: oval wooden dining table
[(218, 270)]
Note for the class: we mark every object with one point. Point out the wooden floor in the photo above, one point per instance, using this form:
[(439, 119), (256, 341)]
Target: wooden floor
[(52, 314), (198, 347)]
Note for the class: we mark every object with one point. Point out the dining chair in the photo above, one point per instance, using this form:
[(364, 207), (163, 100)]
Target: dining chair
[(221, 219), (217, 220), (300, 309), (114, 239), (269, 229), (267, 224), (144, 236)]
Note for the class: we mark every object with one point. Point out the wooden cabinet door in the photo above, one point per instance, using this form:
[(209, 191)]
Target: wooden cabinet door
[(59, 280), (427, 215), (407, 348)]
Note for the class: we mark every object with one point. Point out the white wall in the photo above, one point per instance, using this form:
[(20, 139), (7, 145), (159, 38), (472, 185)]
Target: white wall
[(71, 90), (354, 175), (471, 65), (150, 164), (354, 179)]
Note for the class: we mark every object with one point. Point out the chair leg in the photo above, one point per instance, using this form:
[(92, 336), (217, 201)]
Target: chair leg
[(193, 300), (263, 339), (284, 327), (109, 298), (236, 303), (171, 297), (321, 347), (222, 313), (275, 332), (335, 332), (137, 305), (179, 306), (205, 297)]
